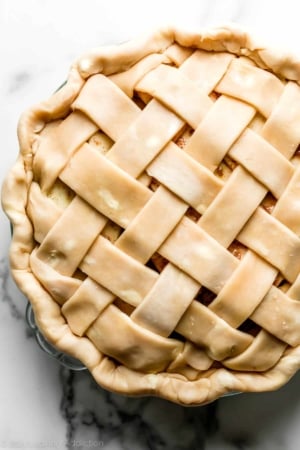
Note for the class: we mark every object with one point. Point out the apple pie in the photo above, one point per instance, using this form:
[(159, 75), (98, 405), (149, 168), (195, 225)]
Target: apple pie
[(155, 206)]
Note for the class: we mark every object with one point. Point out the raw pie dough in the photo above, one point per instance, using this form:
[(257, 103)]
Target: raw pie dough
[(155, 206)]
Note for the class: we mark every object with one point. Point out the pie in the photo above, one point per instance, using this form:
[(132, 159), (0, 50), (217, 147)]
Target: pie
[(155, 206)]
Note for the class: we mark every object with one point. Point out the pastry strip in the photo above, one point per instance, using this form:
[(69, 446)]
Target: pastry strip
[(71, 236), (287, 209), (56, 149), (145, 138), (85, 305), (171, 295), (192, 250), (274, 242), (182, 175), (232, 207), (220, 340), (178, 93), (242, 294), (282, 127), (43, 212), (253, 85), (128, 79), (280, 315), (111, 191), (262, 354), (255, 155), (221, 126), (118, 272), (145, 233), (132, 345), (206, 69), (106, 105)]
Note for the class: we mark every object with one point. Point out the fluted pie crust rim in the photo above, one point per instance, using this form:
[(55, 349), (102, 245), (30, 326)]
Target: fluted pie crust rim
[(114, 376)]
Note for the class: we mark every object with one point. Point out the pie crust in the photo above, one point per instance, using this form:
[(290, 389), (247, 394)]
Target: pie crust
[(155, 206)]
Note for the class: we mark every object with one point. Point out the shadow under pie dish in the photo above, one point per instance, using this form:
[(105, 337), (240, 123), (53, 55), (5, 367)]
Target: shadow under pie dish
[(156, 214)]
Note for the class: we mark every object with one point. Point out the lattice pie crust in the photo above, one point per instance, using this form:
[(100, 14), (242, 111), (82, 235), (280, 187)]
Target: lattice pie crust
[(155, 205)]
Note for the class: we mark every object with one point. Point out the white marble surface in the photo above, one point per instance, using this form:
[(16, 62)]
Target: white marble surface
[(41, 404)]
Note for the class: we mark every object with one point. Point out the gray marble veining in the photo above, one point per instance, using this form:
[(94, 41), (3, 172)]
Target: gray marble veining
[(131, 423), (5, 292)]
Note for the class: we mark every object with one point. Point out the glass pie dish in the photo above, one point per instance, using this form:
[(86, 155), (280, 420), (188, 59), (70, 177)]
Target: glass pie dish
[(65, 360)]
